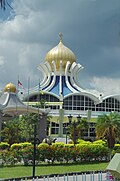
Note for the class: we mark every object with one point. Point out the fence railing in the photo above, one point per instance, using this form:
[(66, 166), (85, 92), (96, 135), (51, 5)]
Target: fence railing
[(88, 176)]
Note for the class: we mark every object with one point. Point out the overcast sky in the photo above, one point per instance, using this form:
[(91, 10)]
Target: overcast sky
[(90, 28)]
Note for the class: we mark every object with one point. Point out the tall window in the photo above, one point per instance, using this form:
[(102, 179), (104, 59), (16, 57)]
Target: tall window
[(78, 102), (45, 98), (108, 105)]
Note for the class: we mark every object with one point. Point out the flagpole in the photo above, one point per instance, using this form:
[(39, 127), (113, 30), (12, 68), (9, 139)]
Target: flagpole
[(17, 82), (28, 101), (38, 98), (28, 82), (28, 94), (17, 94)]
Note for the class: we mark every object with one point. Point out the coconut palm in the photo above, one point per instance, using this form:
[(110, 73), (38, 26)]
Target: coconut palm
[(78, 130), (108, 127), (3, 4)]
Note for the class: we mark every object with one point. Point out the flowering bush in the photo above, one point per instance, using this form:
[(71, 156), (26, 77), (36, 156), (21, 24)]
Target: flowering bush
[(18, 151), (67, 154), (7, 157), (26, 154), (57, 152), (43, 150)]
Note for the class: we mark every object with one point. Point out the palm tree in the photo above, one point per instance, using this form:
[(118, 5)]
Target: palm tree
[(108, 127), (3, 4), (79, 129)]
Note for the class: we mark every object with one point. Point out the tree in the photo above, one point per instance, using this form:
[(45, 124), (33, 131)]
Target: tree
[(11, 132), (108, 127), (79, 129), (3, 4), (19, 129)]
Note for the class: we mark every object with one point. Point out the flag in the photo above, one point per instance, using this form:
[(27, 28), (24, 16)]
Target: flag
[(20, 84)]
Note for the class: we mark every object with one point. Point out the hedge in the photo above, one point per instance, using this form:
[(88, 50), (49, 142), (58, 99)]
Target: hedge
[(22, 153)]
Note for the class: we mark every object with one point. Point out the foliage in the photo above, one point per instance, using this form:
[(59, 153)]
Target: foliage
[(116, 149), (43, 151), (11, 132), (83, 126), (55, 153), (7, 157), (21, 151), (26, 154), (108, 127), (80, 141), (100, 142), (20, 129), (4, 3), (4, 145), (79, 129), (17, 146)]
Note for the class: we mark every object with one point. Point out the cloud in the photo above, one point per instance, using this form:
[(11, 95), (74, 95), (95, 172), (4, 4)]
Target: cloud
[(106, 85), (90, 28), (2, 60)]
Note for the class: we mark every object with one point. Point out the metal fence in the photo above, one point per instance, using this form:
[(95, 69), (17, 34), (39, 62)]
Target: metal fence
[(89, 176)]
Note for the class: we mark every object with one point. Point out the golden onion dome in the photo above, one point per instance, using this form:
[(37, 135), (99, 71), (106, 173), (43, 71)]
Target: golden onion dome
[(10, 88), (60, 53)]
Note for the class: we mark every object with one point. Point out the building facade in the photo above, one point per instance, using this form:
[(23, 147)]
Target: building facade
[(61, 90)]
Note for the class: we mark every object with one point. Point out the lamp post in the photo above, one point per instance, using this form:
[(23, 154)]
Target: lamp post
[(34, 151), (74, 124), (64, 126)]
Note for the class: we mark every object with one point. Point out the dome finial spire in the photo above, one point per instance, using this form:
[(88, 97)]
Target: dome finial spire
[(60, 35)]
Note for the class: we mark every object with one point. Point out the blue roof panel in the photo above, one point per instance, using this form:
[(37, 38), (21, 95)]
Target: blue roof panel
[(65, 89), (55, 88)]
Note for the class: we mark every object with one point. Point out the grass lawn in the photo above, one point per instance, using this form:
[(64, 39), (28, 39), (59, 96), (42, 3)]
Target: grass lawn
[(25, 171)]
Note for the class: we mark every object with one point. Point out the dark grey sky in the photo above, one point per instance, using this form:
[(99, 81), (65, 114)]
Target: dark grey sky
[(91, 29)]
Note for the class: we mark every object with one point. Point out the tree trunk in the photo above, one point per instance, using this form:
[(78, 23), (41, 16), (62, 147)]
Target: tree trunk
[(110, 139)]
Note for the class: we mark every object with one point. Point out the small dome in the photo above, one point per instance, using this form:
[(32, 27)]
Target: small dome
[(60, 52), (10, 88)]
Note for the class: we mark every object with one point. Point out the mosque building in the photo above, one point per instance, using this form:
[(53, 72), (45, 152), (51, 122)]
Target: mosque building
[(61, 90)]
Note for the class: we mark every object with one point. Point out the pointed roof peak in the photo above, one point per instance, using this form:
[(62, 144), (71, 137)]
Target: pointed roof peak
[(60, 35)]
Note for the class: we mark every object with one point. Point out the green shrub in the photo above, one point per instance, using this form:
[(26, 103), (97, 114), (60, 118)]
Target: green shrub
[(58, 144), (100, 142), (43, 150), (80, 141), (56, 152), (19, 149), (26, 154), (4, 145), (7, 157), (116, 147), (17, 146)]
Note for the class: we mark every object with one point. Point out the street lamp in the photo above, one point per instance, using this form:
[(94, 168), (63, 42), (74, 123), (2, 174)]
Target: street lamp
[(34, 150), (74, 124), (64, 126)]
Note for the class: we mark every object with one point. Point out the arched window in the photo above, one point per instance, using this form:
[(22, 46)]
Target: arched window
[(45, 97), (78, 102), (108, 105)]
